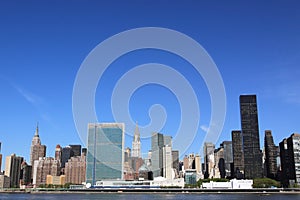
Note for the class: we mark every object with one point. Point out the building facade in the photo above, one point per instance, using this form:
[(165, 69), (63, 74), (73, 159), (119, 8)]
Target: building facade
[(43, 167), (75, 170), (26, 174), (290, 160), (13, 169), (4, 181), (209, 163), (175, 160), (237, 153), (105, 157), (136, 143), (158, 142), (250, 134), (58, 153), (167, 162), (37, 150), (270, 155), (76, 149)]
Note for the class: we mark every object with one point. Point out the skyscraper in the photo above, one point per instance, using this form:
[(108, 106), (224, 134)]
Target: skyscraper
[(208, 151), (167, 162), (219, 168), (271, 155), (158, 142), (136, 143), (228, 157), (250, 133), (238, 155), (105, 157), (13, 169), (66, 154), (37, 150), (290, 160)]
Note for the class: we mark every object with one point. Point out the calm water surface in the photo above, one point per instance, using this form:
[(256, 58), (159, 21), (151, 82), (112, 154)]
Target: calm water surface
[(92, 196)]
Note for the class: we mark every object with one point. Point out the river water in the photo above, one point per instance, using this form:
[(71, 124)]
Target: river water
[(93, 196)]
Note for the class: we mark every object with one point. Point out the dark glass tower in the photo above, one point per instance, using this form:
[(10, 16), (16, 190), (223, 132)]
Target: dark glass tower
[(250, 133), (237, 152), (271, 154)]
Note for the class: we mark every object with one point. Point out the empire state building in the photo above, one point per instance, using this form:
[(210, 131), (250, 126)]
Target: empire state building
[(37, 150)]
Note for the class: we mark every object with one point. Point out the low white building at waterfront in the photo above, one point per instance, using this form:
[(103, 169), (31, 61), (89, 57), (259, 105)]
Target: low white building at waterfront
[(232, 184)]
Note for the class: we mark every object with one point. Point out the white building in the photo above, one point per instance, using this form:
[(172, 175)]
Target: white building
[(167, 162), (233, 184)]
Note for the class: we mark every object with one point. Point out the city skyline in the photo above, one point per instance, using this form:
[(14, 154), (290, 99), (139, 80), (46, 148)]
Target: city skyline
[(257, 52)]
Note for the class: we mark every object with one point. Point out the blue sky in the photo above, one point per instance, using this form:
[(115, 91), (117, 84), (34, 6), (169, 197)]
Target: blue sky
[(255, 45)]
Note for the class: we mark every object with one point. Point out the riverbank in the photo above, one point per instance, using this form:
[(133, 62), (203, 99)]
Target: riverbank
[(157, 190)]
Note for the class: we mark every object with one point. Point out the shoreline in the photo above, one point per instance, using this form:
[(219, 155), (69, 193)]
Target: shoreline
[(261, 191)]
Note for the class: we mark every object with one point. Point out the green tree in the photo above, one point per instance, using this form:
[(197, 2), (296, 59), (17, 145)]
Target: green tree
[(265, 183)]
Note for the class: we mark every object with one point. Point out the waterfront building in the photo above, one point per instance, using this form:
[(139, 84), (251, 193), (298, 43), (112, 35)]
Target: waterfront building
[(167, 162), (290, 160), (37, 150), (43, 167), (250, 134), (4, 181), (209, 164), (75, 170), (136, 143), (158, 141), (55, 180), (26, 174), (219, 168), (232, 184), (238, 155), (228, 157), (190, 176), (270, 155), (105, 157), (175, 160), (13, 169), (198, 165)]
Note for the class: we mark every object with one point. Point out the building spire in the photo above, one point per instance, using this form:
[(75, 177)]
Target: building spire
[(136, 143), (37, 130), (137, 133)]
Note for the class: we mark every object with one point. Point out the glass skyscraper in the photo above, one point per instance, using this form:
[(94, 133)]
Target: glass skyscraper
[(105, 155), (250, 134), (158, 141)]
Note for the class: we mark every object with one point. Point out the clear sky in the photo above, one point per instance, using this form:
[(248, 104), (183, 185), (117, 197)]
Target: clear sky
[(254, 44)]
